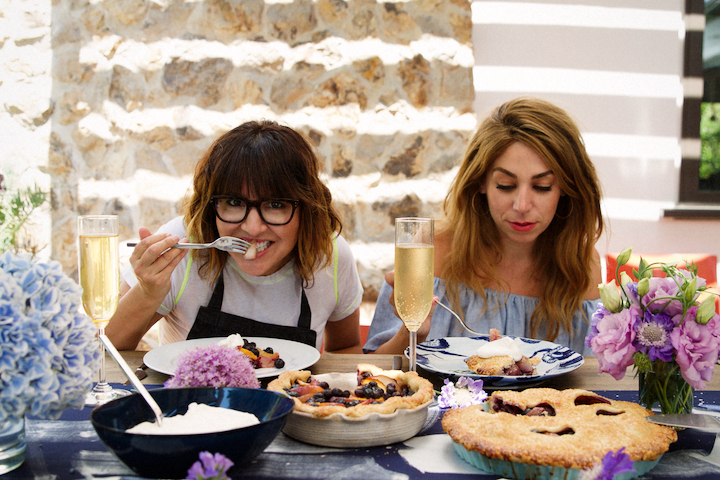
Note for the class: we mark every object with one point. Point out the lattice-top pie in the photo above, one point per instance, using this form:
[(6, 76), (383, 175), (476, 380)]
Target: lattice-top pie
[(572, 429), (376, 390)]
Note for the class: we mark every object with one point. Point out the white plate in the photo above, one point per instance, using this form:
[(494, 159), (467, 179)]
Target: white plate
[(297, 356), (446, 357)]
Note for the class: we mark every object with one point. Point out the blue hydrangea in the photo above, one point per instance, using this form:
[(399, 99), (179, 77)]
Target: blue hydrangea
[(48, 349)]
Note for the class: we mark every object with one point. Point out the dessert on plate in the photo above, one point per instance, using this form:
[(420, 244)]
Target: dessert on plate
[(548, 433), (501, 356), (260, 358)]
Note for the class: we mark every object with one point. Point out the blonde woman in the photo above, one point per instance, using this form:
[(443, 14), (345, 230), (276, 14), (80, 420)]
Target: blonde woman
[(515, 250)]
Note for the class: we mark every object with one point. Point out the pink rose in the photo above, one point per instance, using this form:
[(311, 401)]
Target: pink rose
[(613, 343), (696, 348), (714, 326), (660, 288)]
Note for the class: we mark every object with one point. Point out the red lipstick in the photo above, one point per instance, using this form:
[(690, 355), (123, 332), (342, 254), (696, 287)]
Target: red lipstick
[(522, 226)]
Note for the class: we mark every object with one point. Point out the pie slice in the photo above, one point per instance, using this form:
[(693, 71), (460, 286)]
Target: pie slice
[(503, 365)]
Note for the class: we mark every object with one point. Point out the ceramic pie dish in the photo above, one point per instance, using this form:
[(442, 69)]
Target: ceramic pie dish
[(366, 424), (554, 434)]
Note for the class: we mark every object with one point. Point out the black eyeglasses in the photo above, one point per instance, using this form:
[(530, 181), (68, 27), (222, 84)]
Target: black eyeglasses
[(275, 211)]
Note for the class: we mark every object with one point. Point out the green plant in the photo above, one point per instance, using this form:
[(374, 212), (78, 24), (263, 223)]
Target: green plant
[(710, 136), (15, 209)]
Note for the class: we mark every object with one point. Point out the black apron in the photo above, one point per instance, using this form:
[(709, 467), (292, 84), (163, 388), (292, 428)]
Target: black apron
[(211, 321)]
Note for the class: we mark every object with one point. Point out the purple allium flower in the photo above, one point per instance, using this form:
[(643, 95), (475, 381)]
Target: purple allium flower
[(210, 467), (613, 463), (653, 336), (696, 349), (214, 366), (463, 394), (613, 343)]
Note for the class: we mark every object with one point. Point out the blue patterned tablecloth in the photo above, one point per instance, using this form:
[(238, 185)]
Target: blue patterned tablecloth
[(69, 449)]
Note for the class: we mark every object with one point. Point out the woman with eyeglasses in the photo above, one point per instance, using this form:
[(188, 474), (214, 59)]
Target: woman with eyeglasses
[(298, 281)]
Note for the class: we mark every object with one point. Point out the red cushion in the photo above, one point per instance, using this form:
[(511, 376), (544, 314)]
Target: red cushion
[(706, 266)]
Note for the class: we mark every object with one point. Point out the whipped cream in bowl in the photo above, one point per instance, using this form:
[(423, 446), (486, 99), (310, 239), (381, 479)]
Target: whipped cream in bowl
[(199, 418)]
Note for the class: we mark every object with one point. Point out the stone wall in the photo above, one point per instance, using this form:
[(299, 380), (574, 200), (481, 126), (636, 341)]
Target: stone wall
[(112, 102)]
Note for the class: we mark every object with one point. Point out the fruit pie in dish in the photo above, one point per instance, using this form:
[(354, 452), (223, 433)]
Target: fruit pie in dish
[(350, 410)]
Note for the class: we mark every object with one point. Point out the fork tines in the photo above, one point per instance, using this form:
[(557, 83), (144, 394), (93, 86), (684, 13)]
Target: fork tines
[(239, 245)]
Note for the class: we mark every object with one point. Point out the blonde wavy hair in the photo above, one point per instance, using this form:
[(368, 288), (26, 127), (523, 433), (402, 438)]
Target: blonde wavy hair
[(272, 161), (564, 251)]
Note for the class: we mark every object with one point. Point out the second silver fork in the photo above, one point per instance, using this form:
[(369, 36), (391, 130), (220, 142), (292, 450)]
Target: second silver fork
[(458, 318)]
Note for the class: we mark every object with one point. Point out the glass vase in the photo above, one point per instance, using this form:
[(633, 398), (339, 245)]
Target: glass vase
[(664, 385), (12, 445)]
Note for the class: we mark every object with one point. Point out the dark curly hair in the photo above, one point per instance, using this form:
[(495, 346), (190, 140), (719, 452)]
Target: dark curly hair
[(272, 161)]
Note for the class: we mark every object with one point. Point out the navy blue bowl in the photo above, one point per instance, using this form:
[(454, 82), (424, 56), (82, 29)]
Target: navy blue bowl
[(171, 456)]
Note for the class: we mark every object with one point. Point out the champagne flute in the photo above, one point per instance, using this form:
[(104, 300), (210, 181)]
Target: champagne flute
[(414, 266), (99, 274)]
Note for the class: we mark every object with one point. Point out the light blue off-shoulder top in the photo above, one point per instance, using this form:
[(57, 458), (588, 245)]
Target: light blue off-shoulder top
[(511, 317)]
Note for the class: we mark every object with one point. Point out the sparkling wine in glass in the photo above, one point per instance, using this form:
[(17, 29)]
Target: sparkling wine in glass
[(99, 274), (414, 266)]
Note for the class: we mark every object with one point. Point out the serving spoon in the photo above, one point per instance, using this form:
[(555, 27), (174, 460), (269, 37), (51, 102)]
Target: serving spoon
[(133, 379)]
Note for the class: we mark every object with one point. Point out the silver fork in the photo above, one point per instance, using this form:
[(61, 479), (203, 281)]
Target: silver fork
[(459, 319), (227, 244)]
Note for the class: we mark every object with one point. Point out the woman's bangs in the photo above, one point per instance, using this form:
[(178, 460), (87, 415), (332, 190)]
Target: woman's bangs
[(261, 178)]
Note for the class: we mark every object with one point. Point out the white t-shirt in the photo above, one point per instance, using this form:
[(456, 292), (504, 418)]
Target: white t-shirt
[(275, 299)]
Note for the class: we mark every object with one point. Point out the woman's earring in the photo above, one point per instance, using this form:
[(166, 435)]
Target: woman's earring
[(472, 203), (568, 214)]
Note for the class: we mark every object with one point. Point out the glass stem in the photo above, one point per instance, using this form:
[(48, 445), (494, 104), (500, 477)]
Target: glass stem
[(102, 385), (413, 353)]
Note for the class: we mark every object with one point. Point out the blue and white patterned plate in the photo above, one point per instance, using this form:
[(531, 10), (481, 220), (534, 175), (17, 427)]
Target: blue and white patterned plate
[(446, 357)]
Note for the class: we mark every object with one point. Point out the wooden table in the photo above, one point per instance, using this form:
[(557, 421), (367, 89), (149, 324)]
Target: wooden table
[(586, 377)]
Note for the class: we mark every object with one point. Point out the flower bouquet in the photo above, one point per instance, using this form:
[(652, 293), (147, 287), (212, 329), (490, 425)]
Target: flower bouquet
[(48, 351), (660, 327)]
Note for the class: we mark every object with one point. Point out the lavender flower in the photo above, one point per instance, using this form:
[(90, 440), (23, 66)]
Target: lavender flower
[(653, 336), (613, 463), (48, 351), (214, 366), (463, 394), (210, 467)]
